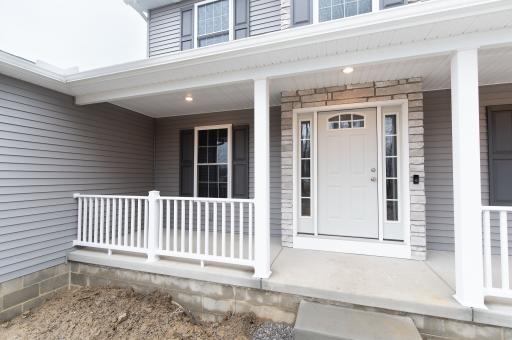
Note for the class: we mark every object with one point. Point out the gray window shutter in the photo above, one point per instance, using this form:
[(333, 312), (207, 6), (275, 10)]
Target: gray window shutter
[(187, 162), (240, 177), (187, 28), (301, 12), (392, 3), (241, 19)]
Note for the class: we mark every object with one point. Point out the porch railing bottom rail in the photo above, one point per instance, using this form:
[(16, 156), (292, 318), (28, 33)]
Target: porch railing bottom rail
[(204, 229), (496, 217)]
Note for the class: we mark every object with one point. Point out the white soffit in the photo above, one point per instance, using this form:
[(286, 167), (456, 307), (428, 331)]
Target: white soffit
[(495, 68)]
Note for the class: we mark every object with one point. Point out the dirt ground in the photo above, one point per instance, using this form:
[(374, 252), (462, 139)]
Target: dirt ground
[(110, 313)]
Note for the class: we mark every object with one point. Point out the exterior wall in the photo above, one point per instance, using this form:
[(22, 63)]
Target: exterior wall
[(373, 91), (438, 163), (164, 24), (49, 149), (26, 292), (167, 153), (211, 301)]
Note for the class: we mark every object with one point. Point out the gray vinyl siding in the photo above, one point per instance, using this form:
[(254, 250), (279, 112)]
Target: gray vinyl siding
[(164, 24), (167, 153), (51, 148), (264, 16), (438, 163)]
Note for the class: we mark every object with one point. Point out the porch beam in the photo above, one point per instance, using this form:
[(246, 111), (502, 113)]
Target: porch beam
[(261, 178), (466, 179)]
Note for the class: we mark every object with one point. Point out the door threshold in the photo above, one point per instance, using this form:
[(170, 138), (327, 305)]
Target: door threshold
[(359, 246)]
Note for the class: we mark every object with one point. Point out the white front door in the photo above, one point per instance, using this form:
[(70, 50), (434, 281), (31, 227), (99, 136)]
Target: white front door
[(347, 173)]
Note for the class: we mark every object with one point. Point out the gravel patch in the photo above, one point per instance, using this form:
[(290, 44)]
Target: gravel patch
[(273, 331)]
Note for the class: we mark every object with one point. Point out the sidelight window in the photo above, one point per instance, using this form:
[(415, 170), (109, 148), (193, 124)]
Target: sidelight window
[(305, 168), (391, 160)]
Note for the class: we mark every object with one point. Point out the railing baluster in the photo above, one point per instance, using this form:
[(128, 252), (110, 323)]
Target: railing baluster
[(206, 227), (126, 208), (161, 224), (120, 223), (107, 221), (79, 231), (223, 244), (504, 250), (183, 208), (139, 223), (198, 236), (146, 222), (168, 225), (241, 232), (190, 224), (95, 220), (250, 231), (114, 221), (175, 224), (132, 224), (91, 222), (232, 239), (85, 220), (102, 216), (487, 249), (214, 229)]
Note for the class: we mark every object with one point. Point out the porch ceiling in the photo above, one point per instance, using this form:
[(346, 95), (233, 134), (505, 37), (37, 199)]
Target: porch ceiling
[(495, 68)]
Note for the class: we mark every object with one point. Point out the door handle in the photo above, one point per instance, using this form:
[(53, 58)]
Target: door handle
[(373, 179), (373, 169)]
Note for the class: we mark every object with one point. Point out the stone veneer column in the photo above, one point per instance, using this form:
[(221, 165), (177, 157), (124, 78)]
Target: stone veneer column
[(410, 89)]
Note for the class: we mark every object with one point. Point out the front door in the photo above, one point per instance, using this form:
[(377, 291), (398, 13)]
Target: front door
[(347, 173)]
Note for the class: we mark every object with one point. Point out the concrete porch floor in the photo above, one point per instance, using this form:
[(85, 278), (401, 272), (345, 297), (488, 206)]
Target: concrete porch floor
[(419, 287)]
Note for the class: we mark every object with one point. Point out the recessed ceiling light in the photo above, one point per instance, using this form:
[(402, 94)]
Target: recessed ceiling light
[(189, 98), (348, 70)]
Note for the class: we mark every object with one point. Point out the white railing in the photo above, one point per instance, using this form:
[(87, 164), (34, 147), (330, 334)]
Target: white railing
[(204, 229), (496, 217)]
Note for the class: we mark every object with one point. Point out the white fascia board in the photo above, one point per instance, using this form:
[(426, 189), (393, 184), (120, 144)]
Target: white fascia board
[(23, 69), (381, 55)]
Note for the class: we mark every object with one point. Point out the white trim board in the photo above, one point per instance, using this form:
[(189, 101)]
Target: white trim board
[(339, 243)]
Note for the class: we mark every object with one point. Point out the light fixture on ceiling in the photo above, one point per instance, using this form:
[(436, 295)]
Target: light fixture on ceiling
[(348, 70), (189, 98)]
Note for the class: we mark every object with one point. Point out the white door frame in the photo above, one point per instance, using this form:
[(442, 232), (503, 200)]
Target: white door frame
[(378, 247)]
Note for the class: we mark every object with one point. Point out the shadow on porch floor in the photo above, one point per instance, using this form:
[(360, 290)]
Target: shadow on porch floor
[(419, 287)]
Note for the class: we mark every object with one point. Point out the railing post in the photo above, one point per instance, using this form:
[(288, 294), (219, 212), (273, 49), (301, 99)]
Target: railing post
[(261, 179), (153, 220)]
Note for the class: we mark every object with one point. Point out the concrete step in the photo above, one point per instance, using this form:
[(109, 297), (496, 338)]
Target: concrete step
[(325, 322)]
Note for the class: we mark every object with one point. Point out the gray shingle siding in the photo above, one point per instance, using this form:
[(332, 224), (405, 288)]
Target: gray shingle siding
[(164, 24), (51, 148), (167, 153), (438, 163)]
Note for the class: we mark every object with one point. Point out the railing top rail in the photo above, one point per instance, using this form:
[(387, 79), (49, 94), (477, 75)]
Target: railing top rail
[(109, 196), (497, 208), (207, 199)]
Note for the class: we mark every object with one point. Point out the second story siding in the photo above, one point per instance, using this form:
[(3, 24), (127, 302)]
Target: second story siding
[(164, 24), (264, 16)]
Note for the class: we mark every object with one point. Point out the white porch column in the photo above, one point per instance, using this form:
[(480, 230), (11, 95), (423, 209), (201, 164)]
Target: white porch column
[(261, 179), (466, 179)]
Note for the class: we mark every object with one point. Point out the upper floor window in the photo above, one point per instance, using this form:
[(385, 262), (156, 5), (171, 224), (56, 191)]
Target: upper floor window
[(335, 9), (212, 22)]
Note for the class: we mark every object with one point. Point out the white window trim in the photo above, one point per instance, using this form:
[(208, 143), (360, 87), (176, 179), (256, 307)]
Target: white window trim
[(378, 247), (230, 150), (231, 20)]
